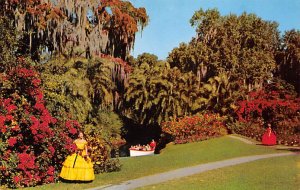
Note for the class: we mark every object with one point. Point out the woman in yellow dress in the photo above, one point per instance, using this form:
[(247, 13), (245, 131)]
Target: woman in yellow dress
[(78, 166)]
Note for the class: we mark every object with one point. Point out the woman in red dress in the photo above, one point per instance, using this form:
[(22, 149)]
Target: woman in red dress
[(269, 137), (153, 144)]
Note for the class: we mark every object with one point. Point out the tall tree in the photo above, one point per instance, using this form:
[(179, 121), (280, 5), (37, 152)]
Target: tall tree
[(241, 46), (75, 26), (288, 58)]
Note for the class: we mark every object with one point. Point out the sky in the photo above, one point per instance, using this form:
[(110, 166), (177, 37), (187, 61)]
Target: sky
[(169, 20)]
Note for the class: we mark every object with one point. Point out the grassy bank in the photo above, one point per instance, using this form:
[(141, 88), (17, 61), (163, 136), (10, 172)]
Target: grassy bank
[(172, 157)]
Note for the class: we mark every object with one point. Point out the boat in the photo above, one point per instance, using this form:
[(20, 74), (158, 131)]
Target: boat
[(134, 152)]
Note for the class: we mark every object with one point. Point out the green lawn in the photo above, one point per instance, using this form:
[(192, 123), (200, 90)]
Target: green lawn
[(273, 173), (172, 157)]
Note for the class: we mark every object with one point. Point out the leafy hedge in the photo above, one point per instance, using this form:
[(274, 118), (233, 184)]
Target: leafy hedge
[(195, 128)]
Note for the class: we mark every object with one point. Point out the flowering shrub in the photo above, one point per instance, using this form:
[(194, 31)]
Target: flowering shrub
[(274, 105), (262, 104), (195, 128), (100, 149), (33, 144)]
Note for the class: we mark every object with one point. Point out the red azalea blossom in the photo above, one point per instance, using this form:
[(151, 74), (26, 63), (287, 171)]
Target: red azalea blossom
[(50, 171), (36, 82), (12, 141), (50, 179), (71, 147), (73, 131), (11, 108), (2, 120), (3, 129), (39, 106), (6, 102), (279, 107), (17, 179), (53, 120), (26, 161), (9, 117), (195, 128), (16, 128), (51, 149)]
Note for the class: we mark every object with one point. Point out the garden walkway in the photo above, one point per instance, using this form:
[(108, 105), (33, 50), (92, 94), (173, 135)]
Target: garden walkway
[(187, 171)]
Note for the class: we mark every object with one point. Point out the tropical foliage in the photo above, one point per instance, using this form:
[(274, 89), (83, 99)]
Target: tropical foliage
[(231, 58), (157, 93)]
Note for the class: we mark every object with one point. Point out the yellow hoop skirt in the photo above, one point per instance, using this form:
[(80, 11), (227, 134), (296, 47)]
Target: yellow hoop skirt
[(77, 168)]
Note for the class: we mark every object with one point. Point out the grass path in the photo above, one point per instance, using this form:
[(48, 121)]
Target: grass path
[(276, 173), (171, 158)]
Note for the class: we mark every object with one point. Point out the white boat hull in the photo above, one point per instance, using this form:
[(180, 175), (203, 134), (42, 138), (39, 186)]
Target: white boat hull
[(141, 152)]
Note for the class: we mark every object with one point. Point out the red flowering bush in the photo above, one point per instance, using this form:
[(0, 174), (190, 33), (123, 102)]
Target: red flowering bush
[(195, 128), (275, 105), (33, 144)]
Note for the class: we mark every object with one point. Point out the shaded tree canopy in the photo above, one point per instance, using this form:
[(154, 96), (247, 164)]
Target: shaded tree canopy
[(75, 26)]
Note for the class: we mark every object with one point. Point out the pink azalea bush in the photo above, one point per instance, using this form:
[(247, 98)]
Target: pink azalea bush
[(33, 144)]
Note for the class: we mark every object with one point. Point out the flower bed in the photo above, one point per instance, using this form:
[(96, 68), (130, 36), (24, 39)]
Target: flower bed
[(195, 128)]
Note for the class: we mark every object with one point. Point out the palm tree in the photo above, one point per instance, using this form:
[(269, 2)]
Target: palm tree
[(103, 86), (158, 93), (221, 93)]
